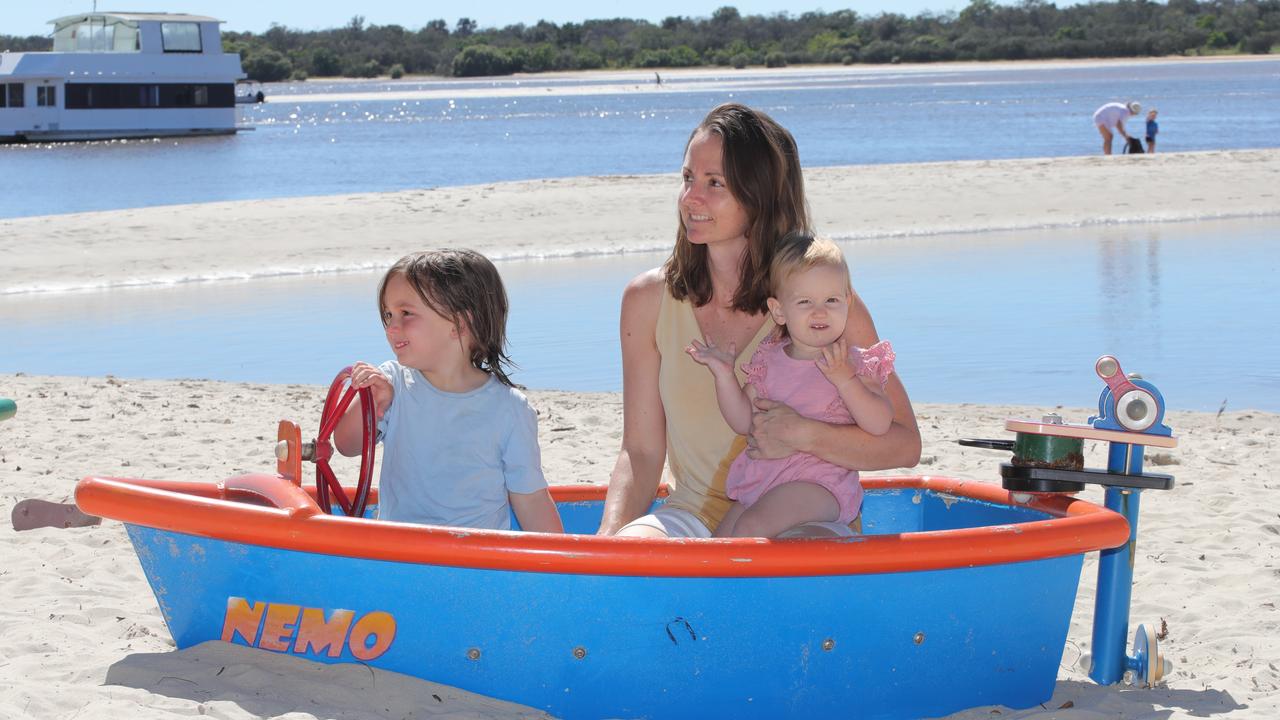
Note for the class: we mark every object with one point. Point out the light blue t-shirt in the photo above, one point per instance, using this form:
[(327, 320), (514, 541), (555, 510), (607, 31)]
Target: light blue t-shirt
[(450, 458)]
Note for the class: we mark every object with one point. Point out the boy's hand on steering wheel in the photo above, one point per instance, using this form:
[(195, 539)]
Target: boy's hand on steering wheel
[(364, 375)]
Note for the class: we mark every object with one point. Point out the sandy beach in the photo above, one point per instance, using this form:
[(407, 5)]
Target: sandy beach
[(84, 637), (577, 216)]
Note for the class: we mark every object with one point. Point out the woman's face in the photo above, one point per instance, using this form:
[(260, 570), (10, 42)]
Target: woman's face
[(710, 213)]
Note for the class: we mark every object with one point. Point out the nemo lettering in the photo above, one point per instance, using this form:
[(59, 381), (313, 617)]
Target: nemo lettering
[(292, 628)]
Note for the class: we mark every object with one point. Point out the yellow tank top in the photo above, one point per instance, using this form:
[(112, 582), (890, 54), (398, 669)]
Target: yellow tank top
[(700, 444)]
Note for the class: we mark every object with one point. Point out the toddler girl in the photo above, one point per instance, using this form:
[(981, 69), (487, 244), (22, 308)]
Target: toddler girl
[(812, 369), (460, 442)]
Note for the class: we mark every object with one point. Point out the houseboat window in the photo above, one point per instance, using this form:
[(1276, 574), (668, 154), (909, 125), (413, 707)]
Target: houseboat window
[(47, 96), (127, 39), (15, 94), (97, 35), (180, 37), (105, 96)]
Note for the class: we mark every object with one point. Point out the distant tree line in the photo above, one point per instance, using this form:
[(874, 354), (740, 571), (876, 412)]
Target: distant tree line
[(984, 30)]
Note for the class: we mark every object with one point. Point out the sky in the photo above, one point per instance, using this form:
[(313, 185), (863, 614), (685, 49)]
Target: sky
[(30, 18)]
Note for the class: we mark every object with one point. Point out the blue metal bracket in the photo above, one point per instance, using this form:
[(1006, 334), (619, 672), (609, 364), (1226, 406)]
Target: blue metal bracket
[(1127, 404)]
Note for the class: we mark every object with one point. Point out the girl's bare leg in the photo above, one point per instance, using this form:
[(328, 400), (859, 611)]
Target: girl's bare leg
[(1106, 139), (784, 507), (725, 529)]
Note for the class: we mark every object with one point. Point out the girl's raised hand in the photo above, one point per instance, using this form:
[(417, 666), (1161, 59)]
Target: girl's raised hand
[(834, 363), (716, 359)]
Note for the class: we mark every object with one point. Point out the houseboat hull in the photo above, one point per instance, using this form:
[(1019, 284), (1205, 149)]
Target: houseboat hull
[(37, 136), (957, 596)]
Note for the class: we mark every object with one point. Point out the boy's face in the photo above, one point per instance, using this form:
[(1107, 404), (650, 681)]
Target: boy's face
[(1151, 115)]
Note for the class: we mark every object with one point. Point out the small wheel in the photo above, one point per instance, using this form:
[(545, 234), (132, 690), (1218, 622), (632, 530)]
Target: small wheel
[(1151, 665), (326, 483)]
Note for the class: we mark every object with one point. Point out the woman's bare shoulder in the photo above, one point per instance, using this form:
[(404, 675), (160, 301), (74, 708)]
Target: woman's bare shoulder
[(648, 280), (642, 299), (646, 288), (860, 329)]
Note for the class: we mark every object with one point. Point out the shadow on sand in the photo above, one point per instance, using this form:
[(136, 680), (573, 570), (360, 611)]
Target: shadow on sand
[(1079, 700), (267, 684)]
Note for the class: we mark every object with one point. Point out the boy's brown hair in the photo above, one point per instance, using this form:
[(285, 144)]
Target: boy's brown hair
[(465, 287)]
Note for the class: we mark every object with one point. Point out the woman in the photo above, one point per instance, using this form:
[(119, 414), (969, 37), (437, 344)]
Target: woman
[(741, 191), (1109, 120)]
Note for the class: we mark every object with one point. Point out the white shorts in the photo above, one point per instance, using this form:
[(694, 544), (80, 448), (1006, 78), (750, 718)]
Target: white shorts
[(675, 522), (818, 529), (678, 523)]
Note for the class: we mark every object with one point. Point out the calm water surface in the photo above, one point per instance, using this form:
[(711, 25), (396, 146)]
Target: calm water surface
[(1016, 317), (839, 116)]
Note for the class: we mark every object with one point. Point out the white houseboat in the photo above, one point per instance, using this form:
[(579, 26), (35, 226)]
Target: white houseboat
[(121, 75)]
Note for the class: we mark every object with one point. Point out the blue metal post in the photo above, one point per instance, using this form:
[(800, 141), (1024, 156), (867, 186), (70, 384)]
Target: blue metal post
[(1115, 574)]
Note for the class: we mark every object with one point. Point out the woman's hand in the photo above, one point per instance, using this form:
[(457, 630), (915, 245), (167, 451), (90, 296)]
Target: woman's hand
[(776, 430)]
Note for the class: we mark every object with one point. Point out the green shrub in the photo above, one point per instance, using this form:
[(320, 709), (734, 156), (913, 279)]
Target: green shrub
[(396, 72), (477, 60), (325, 63), (1262, 43), (268, 66), (586, 59), (366, 69)]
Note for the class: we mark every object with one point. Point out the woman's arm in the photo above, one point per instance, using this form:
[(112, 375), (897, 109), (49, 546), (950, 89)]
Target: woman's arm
[(634, 481), (536, 511), (778, 431)]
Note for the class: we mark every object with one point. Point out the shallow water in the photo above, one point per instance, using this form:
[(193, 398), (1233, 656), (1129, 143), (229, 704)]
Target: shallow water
[(1008, 317), (585, 125)]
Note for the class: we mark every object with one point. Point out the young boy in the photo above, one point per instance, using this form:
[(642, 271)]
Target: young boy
[(1153, 127)]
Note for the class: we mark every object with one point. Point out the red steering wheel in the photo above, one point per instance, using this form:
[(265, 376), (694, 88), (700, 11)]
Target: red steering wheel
[(326, 483)]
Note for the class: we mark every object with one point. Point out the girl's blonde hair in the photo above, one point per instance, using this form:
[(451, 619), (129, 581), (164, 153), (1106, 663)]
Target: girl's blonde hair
[(798, 251), (465, 287)]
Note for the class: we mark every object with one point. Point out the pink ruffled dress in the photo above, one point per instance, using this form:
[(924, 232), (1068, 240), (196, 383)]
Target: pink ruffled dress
[(802, 386)]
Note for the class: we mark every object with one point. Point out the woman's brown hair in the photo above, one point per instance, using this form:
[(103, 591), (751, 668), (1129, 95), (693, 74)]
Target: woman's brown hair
[(762, 170), (463, 286)]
